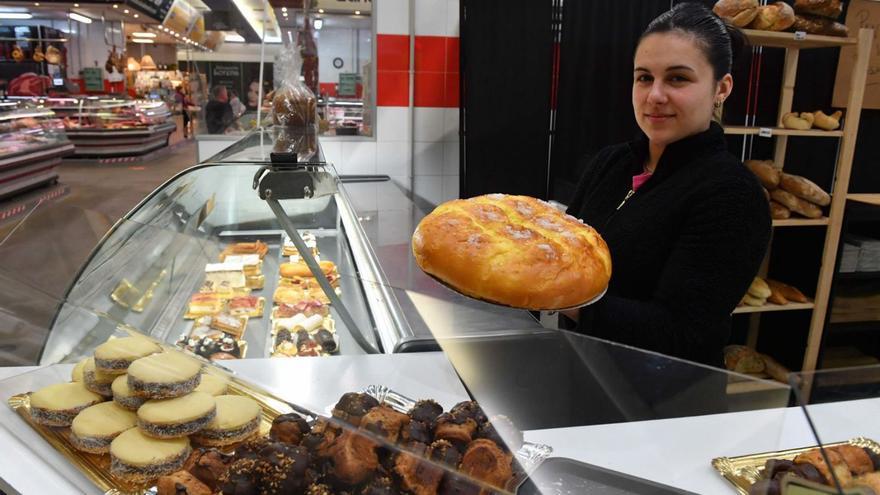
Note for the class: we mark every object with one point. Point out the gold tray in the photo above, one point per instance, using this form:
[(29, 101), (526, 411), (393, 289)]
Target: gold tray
[(744, 470), (97, 467)]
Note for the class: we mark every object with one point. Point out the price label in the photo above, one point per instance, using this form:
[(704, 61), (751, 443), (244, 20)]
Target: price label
[(765, 132), (800, 35)]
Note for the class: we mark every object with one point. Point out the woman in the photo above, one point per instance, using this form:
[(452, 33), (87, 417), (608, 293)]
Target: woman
[(686, 222)]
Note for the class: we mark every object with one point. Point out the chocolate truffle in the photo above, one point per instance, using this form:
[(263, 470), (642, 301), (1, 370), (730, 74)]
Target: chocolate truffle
[(289, 428), (426, 411), (458, 428), (241, 479), (471, 410), (352, 406)]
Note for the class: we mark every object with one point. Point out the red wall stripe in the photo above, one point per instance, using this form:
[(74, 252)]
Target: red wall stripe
[(435, 67)]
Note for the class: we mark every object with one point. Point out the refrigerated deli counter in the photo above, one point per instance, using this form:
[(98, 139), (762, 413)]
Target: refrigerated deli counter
[(208, 265), (32, 143)]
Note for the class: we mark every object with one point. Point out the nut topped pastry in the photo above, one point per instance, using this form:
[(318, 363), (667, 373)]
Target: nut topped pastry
[(165, 375), (138, 457), (237, 418), (289, 428), (116, 355), (176, 417), (58, 404), (96, 426), (352, 406), (513, 250), (487, 462)]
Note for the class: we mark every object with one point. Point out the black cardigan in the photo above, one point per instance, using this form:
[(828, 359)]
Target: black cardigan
[(684, 247)]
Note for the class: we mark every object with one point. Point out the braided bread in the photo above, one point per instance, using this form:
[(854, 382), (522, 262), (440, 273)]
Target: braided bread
[(513, 250)]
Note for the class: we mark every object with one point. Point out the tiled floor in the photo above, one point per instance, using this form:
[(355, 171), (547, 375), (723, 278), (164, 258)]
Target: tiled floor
[(47, 234)]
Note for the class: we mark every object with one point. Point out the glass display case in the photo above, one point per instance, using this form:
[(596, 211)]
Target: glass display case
[(32, 142), (105, 127)]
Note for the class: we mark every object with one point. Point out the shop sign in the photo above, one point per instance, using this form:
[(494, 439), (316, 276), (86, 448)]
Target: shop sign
[(157, 9), (347, 84), (345, 6), (93, 78), (860, 14), (227, 74)]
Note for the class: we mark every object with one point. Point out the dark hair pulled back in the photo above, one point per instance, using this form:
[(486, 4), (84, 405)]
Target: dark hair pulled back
[(720, 42)]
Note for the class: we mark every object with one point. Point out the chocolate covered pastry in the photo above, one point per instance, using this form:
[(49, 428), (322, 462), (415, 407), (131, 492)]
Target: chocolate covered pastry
[(443, 452), (353, 406), (416, 475), (325, 339), (289, 428), (470, 409), (485, 461), (241, 478), (354, 458), (382, 485), (426, 411), (385, 422), (181, 483), (284, 469), (415, 431), (457, 428), (321, 438), (208, 465)]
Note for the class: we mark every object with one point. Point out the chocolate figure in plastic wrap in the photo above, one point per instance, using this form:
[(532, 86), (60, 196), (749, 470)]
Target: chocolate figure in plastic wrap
[(218, 111), (686, 222)]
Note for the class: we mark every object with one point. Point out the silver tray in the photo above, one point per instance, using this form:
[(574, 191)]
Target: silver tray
[(529, 456)]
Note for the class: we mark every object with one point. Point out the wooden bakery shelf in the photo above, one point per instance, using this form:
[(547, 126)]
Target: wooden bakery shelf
[(751, 386), (739, 130), (788, 40), (800, 222), (770, 307), (870, 199)]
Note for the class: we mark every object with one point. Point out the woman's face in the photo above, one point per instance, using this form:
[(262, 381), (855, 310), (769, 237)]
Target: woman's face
[(674, 89)]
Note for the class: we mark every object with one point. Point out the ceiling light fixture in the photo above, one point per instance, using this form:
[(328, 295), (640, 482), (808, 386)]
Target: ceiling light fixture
[(357, 12), (141, 40), (319, 23), (320, 11), (125, 11), (136, 16), (115, 6), (76, 5), (81, 18), (36, 4), (15, 15), (283, 9), (143, 35)]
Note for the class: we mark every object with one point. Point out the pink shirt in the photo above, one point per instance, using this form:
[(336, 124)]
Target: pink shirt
[(639, 180)]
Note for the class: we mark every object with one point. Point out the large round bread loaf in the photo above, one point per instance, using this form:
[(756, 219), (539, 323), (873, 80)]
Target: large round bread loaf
[(513, 250)]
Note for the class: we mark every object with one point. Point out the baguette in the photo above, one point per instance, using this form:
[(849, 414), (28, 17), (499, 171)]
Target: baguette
[(814, 24), (778, 212), (767, 174), (776, 371), (776, 297), (804, 189), (796, 204), (824, 8), (787, 291)]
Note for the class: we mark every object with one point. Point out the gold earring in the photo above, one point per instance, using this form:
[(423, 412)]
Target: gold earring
[(718, 103)]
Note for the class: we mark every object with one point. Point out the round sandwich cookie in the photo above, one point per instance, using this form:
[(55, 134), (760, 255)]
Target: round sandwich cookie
[(58, 404), (96, 380), (165, 375), (96, 426), (77, 374), (513, 250), (138, 457), (213, 384), (177, 417), (122, 394), (116, 355), (237, 419)]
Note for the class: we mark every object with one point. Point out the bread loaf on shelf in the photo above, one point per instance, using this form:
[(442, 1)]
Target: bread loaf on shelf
[(740, 13), (777, 16), (796, 204), (772, 367), (742, 359), (759, 288), (824, 8), (814, 24), (779, 212), (805, 189), (800, 122), (789, 292), (766, 172), (827, 122)]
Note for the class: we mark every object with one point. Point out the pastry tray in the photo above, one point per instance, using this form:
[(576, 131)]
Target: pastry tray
[(97, 467), (529, 456), (744, 470)]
